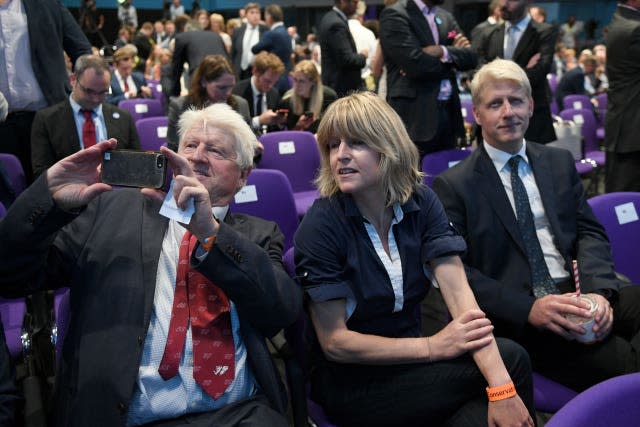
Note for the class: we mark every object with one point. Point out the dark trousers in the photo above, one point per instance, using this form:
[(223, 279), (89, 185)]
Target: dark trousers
[(445, 138), (251, 412), (623, 171), (449, 392), (580, 366), (15, 138)]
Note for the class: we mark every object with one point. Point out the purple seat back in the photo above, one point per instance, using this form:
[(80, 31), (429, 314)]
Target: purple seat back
[(142, 108), (587, 119), (62, 313), (576, 102), (548, 395), (618, 213), (435, 163), (613, 402), (12, 313), (268, 195), (3, 210), (295, 153), (466, 105), (15, 172), (152, 132)]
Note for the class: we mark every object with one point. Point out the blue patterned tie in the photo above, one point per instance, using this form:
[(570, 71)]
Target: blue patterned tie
[(540, 279)]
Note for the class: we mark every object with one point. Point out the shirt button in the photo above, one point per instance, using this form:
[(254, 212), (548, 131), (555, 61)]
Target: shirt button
[(140, 340), (122, 407)]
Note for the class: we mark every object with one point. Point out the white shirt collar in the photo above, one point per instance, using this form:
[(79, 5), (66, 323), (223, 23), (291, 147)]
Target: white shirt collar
[(501, 158), (522, 24), (76, 107)]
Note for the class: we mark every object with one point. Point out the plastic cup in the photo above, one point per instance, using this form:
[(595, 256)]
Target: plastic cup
[(589, 337)]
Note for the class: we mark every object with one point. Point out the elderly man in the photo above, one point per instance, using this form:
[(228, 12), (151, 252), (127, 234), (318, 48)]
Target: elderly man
[(135, 353), (85, 112), (523, 212)]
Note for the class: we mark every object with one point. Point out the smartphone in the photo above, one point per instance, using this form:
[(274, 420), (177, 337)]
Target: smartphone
[(132, 168), (308, 113)]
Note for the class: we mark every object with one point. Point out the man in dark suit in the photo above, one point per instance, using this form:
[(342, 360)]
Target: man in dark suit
[(262, 97), (530, 45), (125, 82), (622, 122), (522, 210), (423, 47), (481, 30), (573, 81), (57, 131), (278, 42), (39, 78), (244, 38), (191, 47), (122, 260), (341, 63)]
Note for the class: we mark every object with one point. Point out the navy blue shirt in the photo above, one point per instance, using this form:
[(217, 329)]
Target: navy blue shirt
[(336, 259)]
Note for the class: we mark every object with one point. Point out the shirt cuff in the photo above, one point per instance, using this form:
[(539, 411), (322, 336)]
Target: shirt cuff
[(445, 55)]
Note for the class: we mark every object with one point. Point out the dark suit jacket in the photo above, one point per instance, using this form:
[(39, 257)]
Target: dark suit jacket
[(54, 135), (413, 79), (278, 42), (622, 122), (498, 268), (236, 45), (571, 83), (117, 92), (243, 89), (53, 30), (108, 255), (537, 38), (191, 47), (341, 62)]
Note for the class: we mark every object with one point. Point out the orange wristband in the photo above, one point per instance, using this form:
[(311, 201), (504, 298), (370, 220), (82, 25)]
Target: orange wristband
[(208, 243), (501, 392)]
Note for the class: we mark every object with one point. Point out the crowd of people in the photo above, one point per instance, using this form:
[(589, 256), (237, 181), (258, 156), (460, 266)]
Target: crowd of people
[(174, 295)]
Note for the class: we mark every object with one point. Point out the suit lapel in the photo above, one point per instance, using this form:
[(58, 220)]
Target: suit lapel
[(419, 24), (154, 227), (69, 139), (524, 42), (491, 186), (498, 43)]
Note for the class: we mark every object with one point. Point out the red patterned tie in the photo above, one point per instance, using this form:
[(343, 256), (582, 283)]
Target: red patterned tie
[(207, 307), (126, 85), (88, 129)]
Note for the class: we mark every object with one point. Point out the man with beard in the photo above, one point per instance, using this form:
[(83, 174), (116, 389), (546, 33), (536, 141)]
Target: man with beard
[(424, 47)]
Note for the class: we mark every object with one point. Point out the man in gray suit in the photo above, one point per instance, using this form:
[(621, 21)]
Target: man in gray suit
[(57, 131), (124, 262), (622, 122)]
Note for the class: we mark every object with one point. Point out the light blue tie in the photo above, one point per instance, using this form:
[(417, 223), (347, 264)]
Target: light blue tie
[(541, 281), (511, 42)]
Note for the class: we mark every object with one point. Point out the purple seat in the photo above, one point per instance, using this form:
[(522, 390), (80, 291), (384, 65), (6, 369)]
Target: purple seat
[(613, 402), (156, 91), (438, 162), (603, 101), (3, 210), (152, 132), (14, 169), (140, 108), (12, 313), (576, 102), (296, 154), (548, 395), (268, 195), (552, 79), (466, 105), (618, 213), (62, 313), (585, 167), (587, 119)]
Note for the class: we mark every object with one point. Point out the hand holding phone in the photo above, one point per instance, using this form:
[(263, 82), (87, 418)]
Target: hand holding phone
[(132, 168), (308, 113)]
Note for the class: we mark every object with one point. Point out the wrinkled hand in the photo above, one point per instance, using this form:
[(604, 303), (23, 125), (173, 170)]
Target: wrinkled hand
[(604, 317), (533, 61), (75, 180), (185, 187), (146, 91), (469, 331), (461, 41), (365, 52), (269, 117), (550, 312), (509, 412), (434, 50)]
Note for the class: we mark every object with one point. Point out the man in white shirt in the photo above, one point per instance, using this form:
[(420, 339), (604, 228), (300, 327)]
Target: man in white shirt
[(244, 38)]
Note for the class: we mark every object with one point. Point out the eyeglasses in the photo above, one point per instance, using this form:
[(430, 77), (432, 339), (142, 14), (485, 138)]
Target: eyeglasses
[(91, 91)]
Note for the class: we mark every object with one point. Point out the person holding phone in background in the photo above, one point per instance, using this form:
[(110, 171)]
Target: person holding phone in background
[(307, 99), (123, 261)]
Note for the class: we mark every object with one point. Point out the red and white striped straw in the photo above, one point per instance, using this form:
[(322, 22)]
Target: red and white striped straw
[(576, 277)]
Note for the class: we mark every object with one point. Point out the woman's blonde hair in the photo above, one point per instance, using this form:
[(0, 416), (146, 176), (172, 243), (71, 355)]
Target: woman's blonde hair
[(365, 117), (316, 99)]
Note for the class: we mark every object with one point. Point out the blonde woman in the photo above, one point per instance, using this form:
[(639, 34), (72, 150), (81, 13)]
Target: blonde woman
[(217, 26), (367, 253), (307, 99)]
